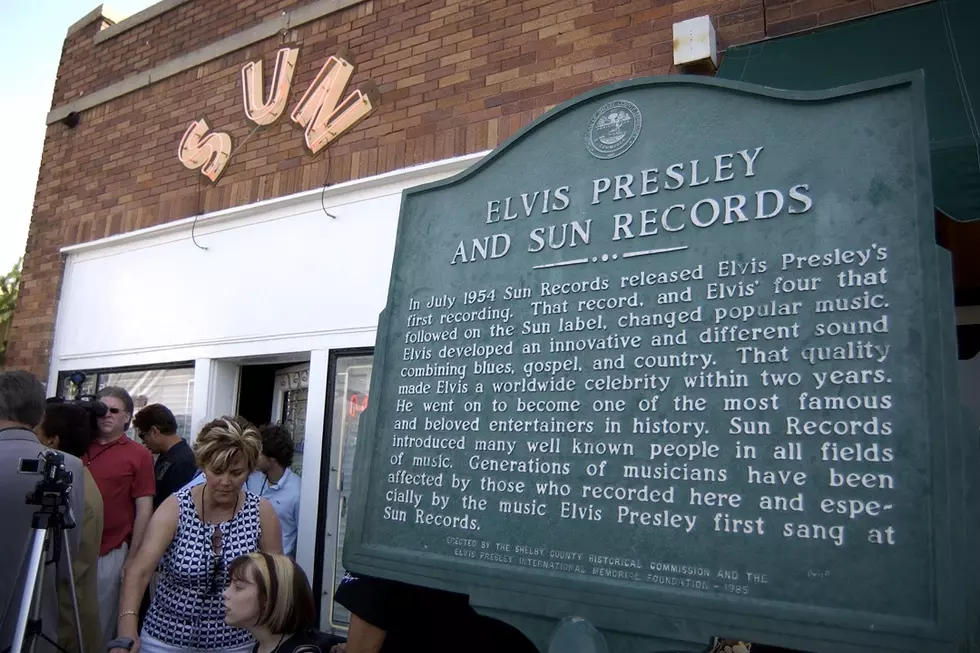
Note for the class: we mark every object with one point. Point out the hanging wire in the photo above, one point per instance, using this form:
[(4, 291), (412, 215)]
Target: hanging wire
[(197, 214), (200, 190), (323, 190), (244, 140)]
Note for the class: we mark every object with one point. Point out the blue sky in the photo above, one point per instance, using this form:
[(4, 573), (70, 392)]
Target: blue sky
[(31, 36)]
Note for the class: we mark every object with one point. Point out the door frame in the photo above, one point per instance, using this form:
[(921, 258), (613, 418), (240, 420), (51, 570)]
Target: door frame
[(329, 471)]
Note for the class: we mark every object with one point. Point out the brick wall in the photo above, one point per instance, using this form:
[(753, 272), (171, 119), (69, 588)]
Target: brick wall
[(456, 77)]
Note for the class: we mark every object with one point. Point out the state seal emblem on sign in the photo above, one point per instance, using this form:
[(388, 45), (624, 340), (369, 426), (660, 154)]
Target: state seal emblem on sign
[(613, 129)]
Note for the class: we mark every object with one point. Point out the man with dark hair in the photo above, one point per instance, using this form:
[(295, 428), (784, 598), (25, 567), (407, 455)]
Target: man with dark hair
[(21, 408), (275, 481), (123, 471), (175, 466)]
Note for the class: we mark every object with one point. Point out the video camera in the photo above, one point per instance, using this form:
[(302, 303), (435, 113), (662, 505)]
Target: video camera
[(49, 525), (88, 402), (92, 405), (54, 488)]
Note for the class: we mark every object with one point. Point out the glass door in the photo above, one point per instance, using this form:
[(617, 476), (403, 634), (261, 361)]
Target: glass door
[(351, 384)]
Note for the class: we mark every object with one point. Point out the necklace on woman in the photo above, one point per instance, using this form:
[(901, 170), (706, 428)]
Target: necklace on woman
[(216, 533), (204, 505)]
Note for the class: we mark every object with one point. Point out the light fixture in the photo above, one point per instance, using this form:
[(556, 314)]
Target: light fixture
[(696, 45)]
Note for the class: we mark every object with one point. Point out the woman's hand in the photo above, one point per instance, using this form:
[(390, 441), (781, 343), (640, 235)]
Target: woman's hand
[(336, 648), (135, 649), (129, 631), (140, 568)]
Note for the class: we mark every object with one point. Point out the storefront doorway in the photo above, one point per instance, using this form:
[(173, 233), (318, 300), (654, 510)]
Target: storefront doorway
[(277, 393), (282, 390)]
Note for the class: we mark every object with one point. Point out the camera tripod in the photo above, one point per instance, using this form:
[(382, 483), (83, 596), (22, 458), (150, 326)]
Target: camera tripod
[(49, 526)]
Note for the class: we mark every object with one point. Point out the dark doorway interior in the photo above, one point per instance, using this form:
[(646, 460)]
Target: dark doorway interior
[(255, 392)]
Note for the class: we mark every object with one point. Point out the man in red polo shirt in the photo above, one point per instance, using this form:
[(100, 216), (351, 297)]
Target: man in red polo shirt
[(123, 470)]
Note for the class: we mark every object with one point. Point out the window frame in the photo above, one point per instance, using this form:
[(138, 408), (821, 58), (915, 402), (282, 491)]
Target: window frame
[(97, 372)]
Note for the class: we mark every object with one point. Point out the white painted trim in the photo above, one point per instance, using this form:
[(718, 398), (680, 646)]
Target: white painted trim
[(237, 352), (313, 458), (57, 337), (222, 390), (140, 17), (219, 342), (215, 391), (202, 388), (331, 194)]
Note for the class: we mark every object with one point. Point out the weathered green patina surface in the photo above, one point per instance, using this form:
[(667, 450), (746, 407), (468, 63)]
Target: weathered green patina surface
[(677, 359)]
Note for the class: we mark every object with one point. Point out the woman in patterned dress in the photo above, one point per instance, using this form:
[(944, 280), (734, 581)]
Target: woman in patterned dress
[(193, 538)]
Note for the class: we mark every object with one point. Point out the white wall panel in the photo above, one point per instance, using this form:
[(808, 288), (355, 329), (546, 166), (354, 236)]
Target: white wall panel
[(292, 274), (280, 271)]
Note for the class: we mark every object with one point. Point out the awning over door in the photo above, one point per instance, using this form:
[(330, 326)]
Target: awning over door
[(940, 37)]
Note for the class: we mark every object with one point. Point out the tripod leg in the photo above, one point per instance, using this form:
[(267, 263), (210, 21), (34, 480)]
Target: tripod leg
[(35, 624), (32, 590), (74, 595)]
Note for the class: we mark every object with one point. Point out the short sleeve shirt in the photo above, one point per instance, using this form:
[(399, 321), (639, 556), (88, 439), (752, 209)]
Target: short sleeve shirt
[(423, 619), (173, 470), (284, 497), (123, 470)]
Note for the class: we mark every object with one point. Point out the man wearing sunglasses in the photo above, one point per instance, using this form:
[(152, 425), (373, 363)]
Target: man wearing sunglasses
[(156, 426), (123, 470)]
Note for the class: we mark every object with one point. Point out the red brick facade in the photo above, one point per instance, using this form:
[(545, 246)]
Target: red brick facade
[(455, 77)]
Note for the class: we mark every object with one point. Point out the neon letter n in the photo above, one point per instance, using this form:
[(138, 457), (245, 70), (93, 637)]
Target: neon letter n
[(321, 111)]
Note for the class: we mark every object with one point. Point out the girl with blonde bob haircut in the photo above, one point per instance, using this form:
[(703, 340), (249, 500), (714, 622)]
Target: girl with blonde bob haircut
[(193, 537), (270, 596)]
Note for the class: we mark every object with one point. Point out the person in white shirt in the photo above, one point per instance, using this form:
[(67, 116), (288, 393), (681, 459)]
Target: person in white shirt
[(276, 481)]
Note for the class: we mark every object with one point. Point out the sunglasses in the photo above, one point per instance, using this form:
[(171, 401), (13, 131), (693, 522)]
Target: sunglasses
[(114, 411), (217, 568), (216, 585)]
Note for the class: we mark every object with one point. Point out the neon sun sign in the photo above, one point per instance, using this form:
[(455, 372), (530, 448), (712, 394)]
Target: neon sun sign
[(321, 112)]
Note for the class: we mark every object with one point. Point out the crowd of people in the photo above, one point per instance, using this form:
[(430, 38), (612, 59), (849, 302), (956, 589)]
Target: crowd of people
[(193, 551)]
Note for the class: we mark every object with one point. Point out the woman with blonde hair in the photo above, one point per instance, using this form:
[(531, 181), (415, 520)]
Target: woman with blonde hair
[(270, 596), (193, 537)]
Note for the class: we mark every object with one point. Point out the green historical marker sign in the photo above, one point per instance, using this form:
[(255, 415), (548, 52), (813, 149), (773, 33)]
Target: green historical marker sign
[(678, 359)]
